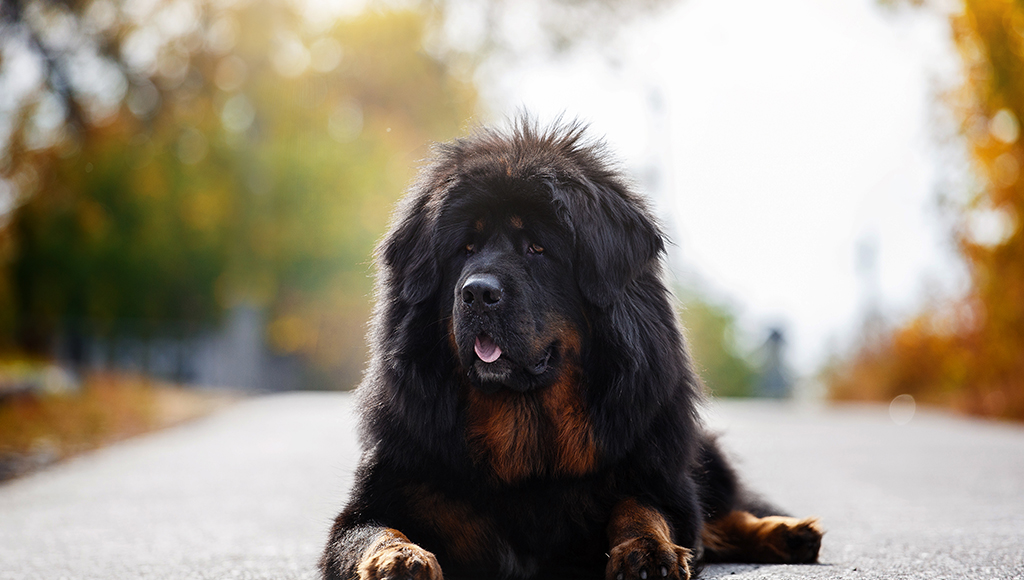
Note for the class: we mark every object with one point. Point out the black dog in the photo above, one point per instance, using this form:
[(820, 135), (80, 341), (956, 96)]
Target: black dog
[(530, 408)]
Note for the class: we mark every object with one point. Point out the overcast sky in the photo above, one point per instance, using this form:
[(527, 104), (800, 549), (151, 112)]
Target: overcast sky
[(792, 141)]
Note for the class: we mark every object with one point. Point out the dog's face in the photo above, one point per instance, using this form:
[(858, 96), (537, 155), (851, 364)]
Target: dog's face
[(516, 307), (524, 246)]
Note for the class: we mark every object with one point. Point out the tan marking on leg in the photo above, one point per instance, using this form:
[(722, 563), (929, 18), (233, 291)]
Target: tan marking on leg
[(393, 555), (467, 535), (742, 537), (642, 547)]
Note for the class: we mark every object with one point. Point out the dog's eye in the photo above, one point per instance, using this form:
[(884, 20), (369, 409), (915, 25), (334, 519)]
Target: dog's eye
[(470, 248), (534, 249)]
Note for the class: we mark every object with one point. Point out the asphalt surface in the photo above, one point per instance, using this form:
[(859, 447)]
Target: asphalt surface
[(250, 493)]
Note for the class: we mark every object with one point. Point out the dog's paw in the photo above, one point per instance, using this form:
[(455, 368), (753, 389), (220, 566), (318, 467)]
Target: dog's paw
[(797, 541), (402, 561), (743, 537), (648, 559)]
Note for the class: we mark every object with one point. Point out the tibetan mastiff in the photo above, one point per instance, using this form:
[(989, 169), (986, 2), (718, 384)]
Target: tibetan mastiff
[(530, 409)]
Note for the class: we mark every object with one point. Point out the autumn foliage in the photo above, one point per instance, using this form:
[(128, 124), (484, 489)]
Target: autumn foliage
[(970, 354), (234, 153)]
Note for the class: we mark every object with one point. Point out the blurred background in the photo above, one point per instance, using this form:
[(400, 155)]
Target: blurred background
[(190, 190)]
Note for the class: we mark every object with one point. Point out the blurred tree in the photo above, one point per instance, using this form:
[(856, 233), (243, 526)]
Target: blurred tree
[(970, 354), (711, 335), (164, 160)]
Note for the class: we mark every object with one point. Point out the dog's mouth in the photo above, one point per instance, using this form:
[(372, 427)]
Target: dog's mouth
[(497, 365), (487, 349)]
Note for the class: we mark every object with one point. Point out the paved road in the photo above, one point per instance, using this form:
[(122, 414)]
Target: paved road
[(250, 492)]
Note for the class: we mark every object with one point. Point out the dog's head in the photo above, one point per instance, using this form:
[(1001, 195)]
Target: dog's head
[(516, 237)]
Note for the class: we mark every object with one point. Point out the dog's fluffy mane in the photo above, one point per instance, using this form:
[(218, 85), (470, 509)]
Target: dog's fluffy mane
[(633, 353)]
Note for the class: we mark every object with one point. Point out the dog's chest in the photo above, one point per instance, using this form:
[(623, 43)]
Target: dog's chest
[(522, 435)]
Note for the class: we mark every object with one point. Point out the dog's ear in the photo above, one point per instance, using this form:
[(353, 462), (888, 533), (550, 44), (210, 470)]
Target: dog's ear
[(407, 250), (616, 237)]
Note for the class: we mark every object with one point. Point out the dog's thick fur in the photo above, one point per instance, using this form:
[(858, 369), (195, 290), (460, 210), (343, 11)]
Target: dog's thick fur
[(530, 410)]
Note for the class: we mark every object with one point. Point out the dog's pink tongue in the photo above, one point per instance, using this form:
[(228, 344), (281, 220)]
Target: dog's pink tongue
[(486, 349)]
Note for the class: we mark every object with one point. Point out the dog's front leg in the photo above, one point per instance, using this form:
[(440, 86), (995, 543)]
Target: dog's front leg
[(370, 552), (642, 547)]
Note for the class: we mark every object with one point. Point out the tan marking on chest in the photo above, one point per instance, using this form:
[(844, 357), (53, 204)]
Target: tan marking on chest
[(532, 434)]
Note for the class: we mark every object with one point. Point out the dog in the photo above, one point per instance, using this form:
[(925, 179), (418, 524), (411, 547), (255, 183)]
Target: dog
[(530, 409)]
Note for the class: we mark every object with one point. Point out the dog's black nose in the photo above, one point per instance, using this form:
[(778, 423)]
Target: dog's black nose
[(481, 291)]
